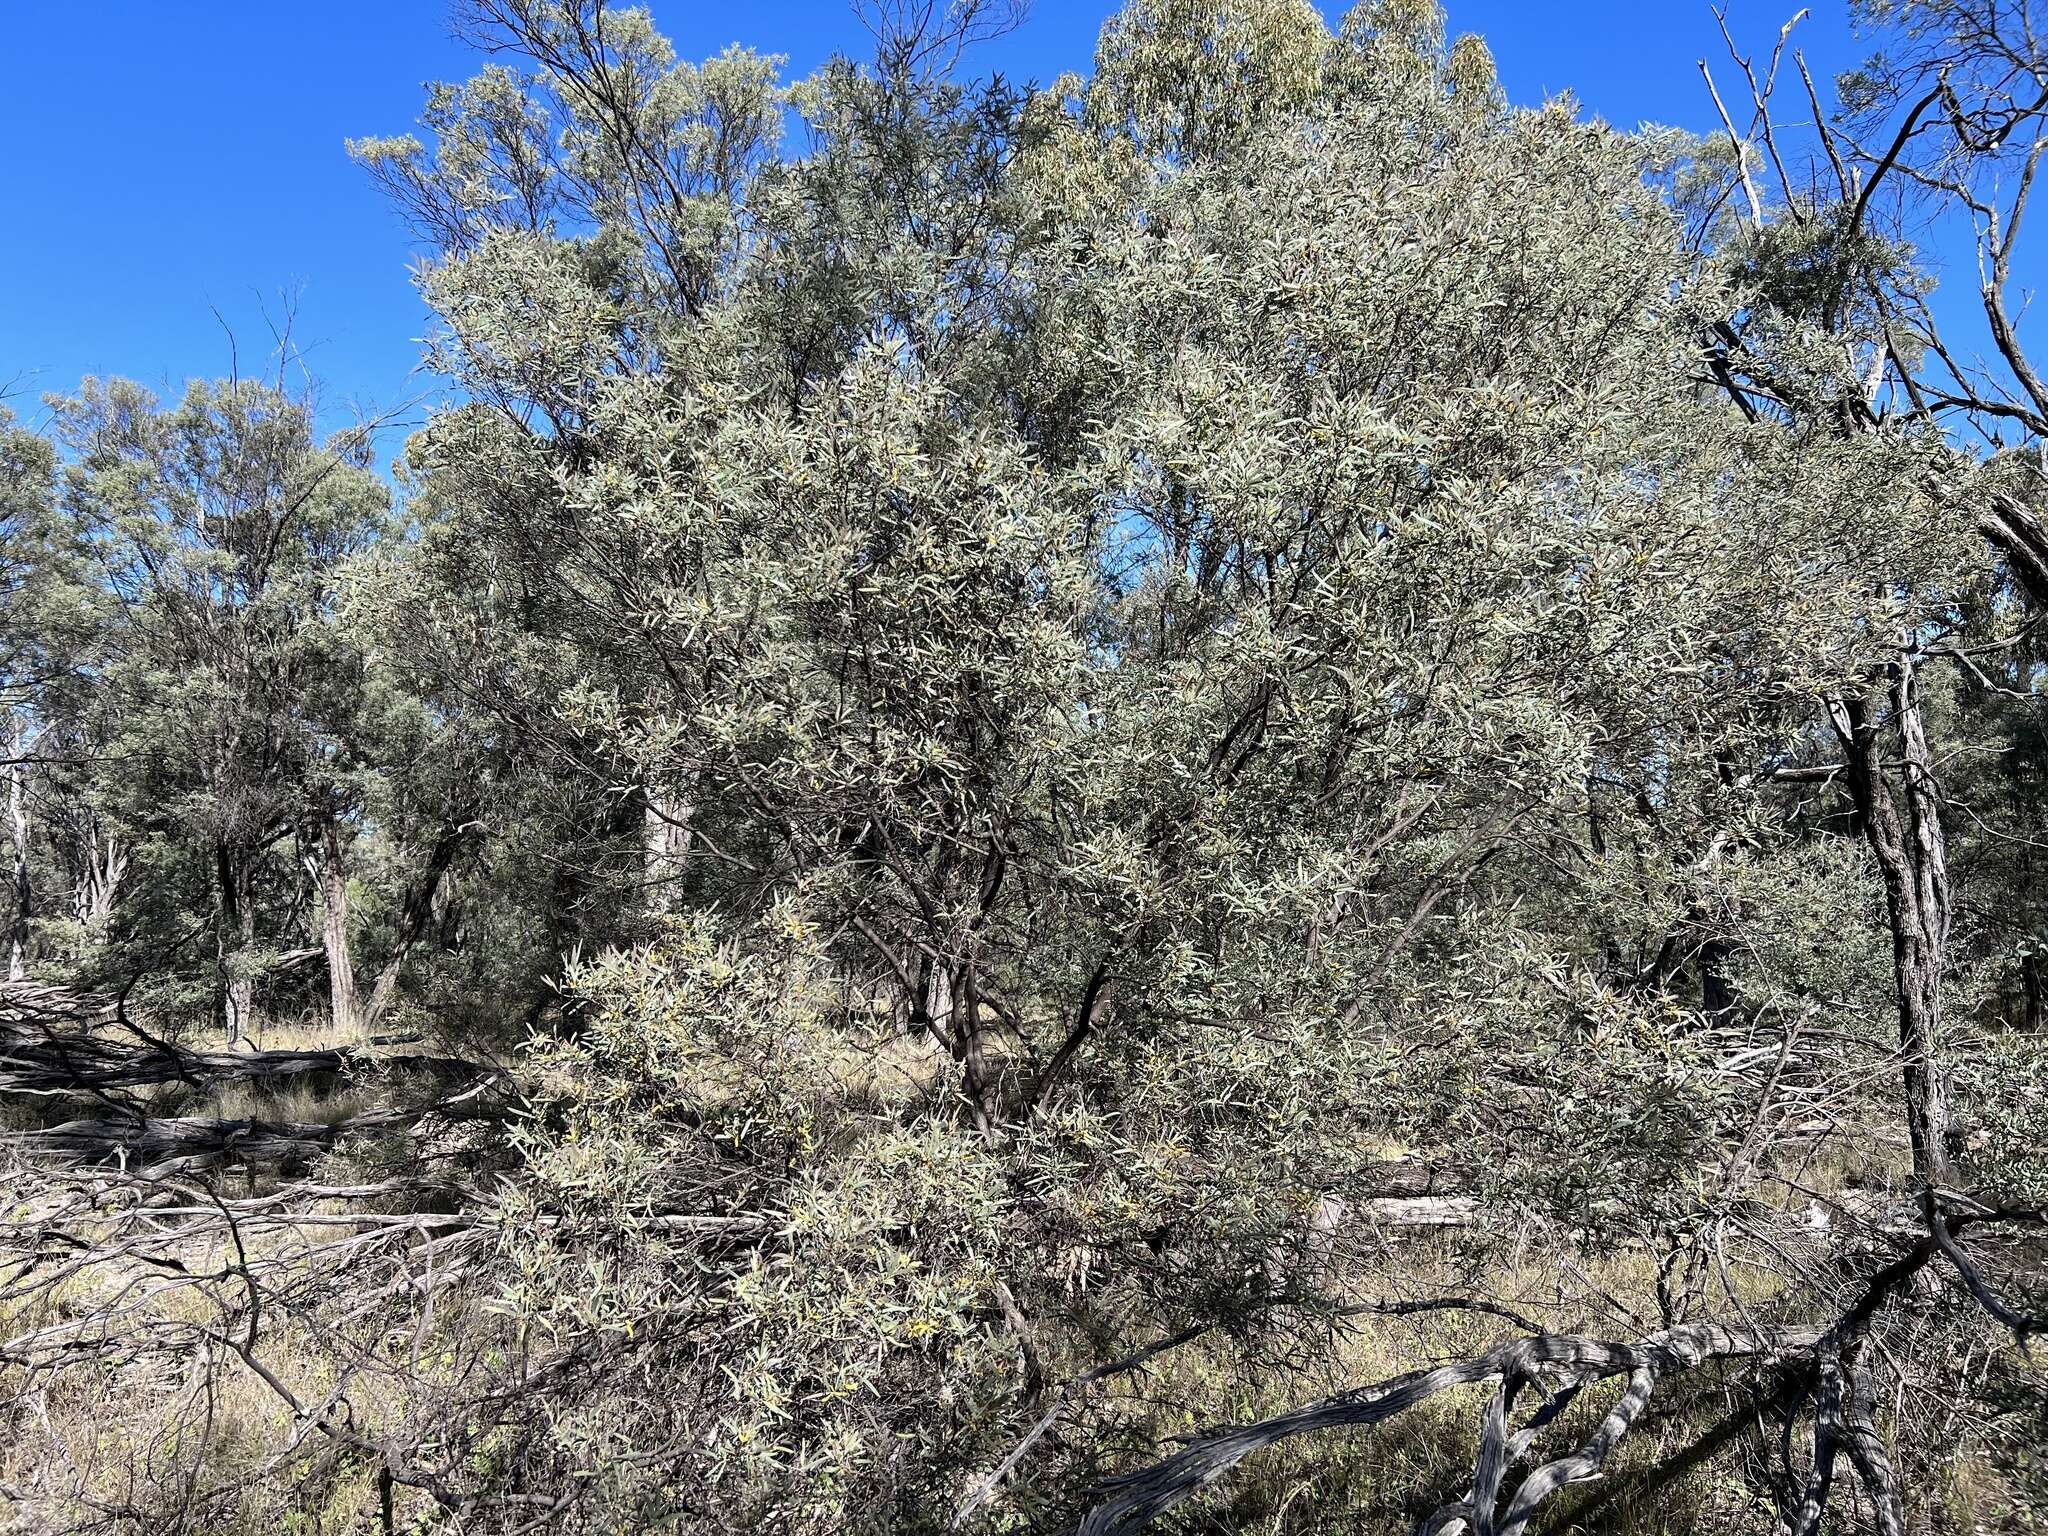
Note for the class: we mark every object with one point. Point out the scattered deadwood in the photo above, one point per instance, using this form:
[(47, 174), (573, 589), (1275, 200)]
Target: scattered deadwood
[(48, 1050), (1068, 1393), (160, 1143), (1423, 1210), (82, 1064), (1560, 1366), (187, 1141), (56, 1044), (1411, 1178)]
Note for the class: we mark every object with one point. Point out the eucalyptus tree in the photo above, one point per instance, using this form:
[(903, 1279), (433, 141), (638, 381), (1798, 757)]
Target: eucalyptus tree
[(242, 728), (1935, 140), (49, 615), (27, 475)]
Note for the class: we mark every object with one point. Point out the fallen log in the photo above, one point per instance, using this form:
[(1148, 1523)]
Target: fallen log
[(1423, 1210), (53, 1041), (91, 1064), (181, 1142), (1570, 1361), (159, 1144)]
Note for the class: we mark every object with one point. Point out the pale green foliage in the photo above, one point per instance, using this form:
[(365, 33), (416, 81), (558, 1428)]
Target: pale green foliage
[(1219, 644), (890, 1234), (566, 327), (1043, 704), (1191, 77), (649, 150), (40, 599), (230, 680)]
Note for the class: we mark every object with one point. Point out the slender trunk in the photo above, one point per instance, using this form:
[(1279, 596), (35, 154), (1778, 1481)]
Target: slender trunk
[(423, 905), (334, 929), (937, 1001), (976, 1080), (235, 941), (445, 911), (1926, 1088), (17, 811), (1913, 859), (98, 863), (382, 991), (1717, 996), (112, 867), (239, 1007), (1096, 999)]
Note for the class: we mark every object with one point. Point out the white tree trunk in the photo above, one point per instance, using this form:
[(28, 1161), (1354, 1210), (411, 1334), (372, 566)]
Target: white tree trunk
[(332, 877), (667, 847)]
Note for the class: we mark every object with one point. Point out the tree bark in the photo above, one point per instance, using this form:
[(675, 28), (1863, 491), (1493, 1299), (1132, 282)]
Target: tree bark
[(100, 864), (418, 912), (1912, 856), (24, 891), (1717, 995), (1129, 1503), (667, 842), (235, 941), (334, 930), (2018, 535)]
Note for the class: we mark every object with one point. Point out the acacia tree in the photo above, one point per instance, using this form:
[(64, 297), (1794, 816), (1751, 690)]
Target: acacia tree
[(1154, 726), (1231, 600)]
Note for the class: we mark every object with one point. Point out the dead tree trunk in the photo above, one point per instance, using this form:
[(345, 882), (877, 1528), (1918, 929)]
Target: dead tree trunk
[(1129, 1503), (1912, 856)]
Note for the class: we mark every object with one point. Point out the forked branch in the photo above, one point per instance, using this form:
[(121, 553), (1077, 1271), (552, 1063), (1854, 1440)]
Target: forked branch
[(1569, 1360)]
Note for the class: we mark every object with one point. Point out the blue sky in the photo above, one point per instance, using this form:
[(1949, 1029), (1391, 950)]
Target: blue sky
[(174, 158)]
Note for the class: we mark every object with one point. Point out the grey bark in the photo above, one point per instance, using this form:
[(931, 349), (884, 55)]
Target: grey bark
[(17, 813), (666, 819), (1912, 856), (332, 873), (1134, 1501)]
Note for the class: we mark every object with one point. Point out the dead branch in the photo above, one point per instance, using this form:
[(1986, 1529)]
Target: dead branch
[(1138, 1498)]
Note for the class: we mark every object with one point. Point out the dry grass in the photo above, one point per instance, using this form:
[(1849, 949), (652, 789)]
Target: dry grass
[(113, 1451), (293, 1099), (1384, 1480), (183, 1445), (181, 1435), (177, 1452)]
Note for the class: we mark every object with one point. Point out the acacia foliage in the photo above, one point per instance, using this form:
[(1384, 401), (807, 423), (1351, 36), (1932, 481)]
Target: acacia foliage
[(1180, 632)]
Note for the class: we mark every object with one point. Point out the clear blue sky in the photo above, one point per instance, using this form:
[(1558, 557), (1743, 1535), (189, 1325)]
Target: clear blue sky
[(176, 157)]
